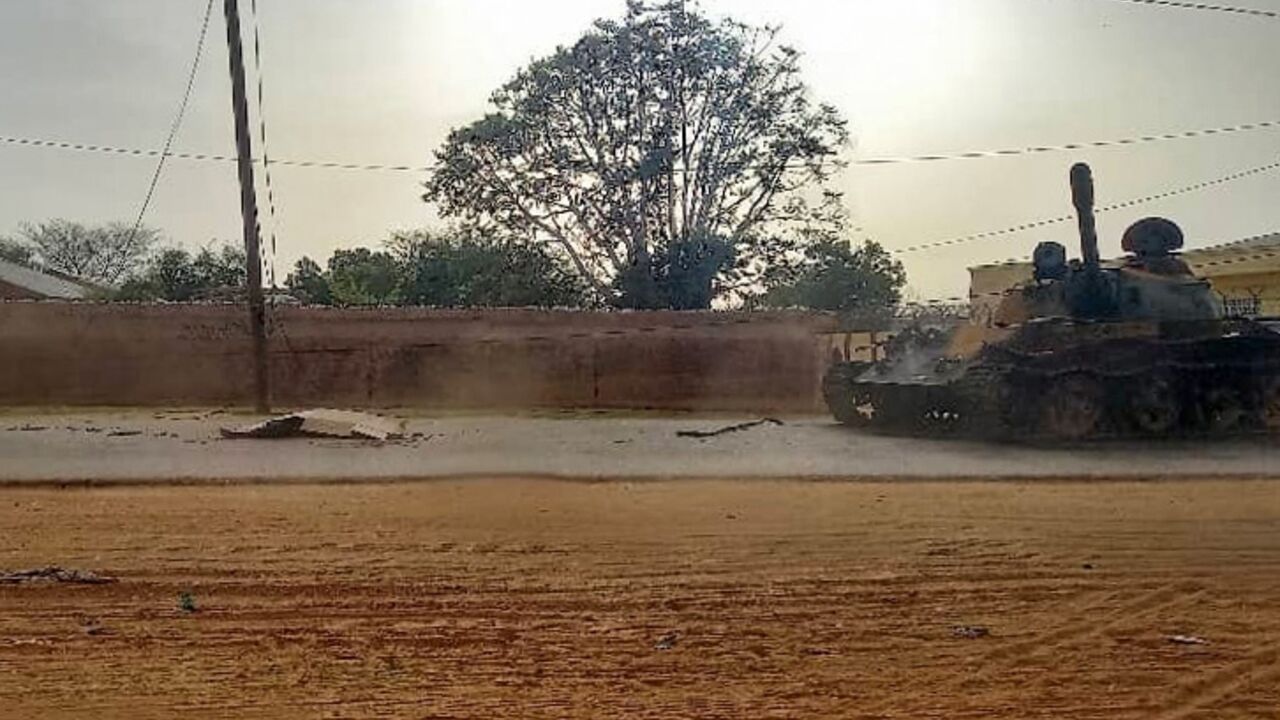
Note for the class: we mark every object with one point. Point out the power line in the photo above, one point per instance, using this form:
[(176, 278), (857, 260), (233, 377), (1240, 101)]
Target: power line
[(1039, 149), (266, 161), (177, 121), (205, 157), (1195, 187), (1179, 5), (262, 128)]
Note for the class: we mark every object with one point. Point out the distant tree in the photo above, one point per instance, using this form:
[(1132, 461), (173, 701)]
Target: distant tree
[(173, 274), (458, 268), (222, 268), (308, 283), (668, 156), (363, 277), (15, 252), (99, 253), (836, 276)]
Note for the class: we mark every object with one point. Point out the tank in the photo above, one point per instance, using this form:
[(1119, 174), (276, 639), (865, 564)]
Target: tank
[(1084, 350)]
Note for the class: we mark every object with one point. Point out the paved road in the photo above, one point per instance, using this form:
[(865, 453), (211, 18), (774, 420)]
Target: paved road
[(148, 446)]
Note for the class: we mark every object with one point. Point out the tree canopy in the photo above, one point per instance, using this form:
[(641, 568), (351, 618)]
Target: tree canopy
[(173, 274), (15, 252), (308, 284), (838, 277), (440, 268), (363, 277), (105, 254), (463, 269), (670, 157)]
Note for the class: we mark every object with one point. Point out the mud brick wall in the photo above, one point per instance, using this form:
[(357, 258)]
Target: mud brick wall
[(122, 354)]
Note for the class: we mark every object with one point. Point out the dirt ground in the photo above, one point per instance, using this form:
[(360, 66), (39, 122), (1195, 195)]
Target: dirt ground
[(714, 599)]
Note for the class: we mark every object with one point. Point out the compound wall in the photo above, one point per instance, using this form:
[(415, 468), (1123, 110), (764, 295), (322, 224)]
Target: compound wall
[(123, 354)]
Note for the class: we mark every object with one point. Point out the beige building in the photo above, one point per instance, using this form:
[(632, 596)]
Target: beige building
[(1246, 273)]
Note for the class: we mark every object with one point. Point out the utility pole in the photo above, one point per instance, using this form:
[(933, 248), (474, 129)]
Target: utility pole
[(248, 208)]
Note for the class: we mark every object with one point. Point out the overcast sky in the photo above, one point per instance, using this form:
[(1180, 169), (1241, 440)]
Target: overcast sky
[(382, 81)]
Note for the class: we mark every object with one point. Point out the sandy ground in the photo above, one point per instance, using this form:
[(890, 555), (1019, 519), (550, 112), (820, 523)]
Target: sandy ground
[(164, 446), (712, 599)]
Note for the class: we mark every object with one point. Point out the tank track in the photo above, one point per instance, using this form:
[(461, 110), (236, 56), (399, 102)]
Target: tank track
[(1219, 386)]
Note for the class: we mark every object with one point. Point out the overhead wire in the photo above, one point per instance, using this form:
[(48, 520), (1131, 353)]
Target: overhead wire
[(1092, 144), (963, 239), (267, 161), (1021, 227), (164, 154), (1212, 7), (197, 156), (1194, 187)]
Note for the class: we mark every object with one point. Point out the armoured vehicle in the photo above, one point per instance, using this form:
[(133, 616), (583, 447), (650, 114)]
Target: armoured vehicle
[(1140, 347)]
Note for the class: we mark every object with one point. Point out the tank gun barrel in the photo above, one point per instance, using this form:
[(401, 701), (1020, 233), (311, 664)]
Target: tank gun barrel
[(1082, 198)]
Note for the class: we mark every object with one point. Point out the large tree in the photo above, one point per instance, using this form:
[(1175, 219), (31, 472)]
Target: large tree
[(669, 156), (100, 253)]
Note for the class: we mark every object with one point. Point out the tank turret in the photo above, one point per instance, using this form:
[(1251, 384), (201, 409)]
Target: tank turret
[(1150, 283), (1085, 348)]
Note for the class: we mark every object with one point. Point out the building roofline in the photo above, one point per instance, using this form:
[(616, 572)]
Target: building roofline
[(44, 283)]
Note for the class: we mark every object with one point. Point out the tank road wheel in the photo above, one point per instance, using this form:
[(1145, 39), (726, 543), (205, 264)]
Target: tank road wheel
[(900, 409), (852, 407), (988, 402), (1073, 408), (850, 404), (1269, 406), (1222, 410), (1154, 407)]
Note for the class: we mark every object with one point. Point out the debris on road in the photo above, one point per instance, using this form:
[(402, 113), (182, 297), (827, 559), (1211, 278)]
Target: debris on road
[(53, 573), (321, 423), (668, 641), (730, 429), (1187, 640), (28, 641), (970, 632), (124, 433)]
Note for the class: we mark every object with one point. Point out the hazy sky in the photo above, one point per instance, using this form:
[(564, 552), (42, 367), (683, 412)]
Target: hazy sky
[(382, 81)]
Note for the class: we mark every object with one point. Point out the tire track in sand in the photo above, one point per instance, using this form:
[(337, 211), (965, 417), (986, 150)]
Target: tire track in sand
[(1258, 670), (1083, 625), (1090, 625)]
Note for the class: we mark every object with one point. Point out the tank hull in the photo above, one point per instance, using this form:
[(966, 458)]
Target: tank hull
[(1071, 379)]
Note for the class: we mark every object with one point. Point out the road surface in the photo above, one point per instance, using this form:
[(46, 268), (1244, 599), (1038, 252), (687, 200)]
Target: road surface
[(185, 446)]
